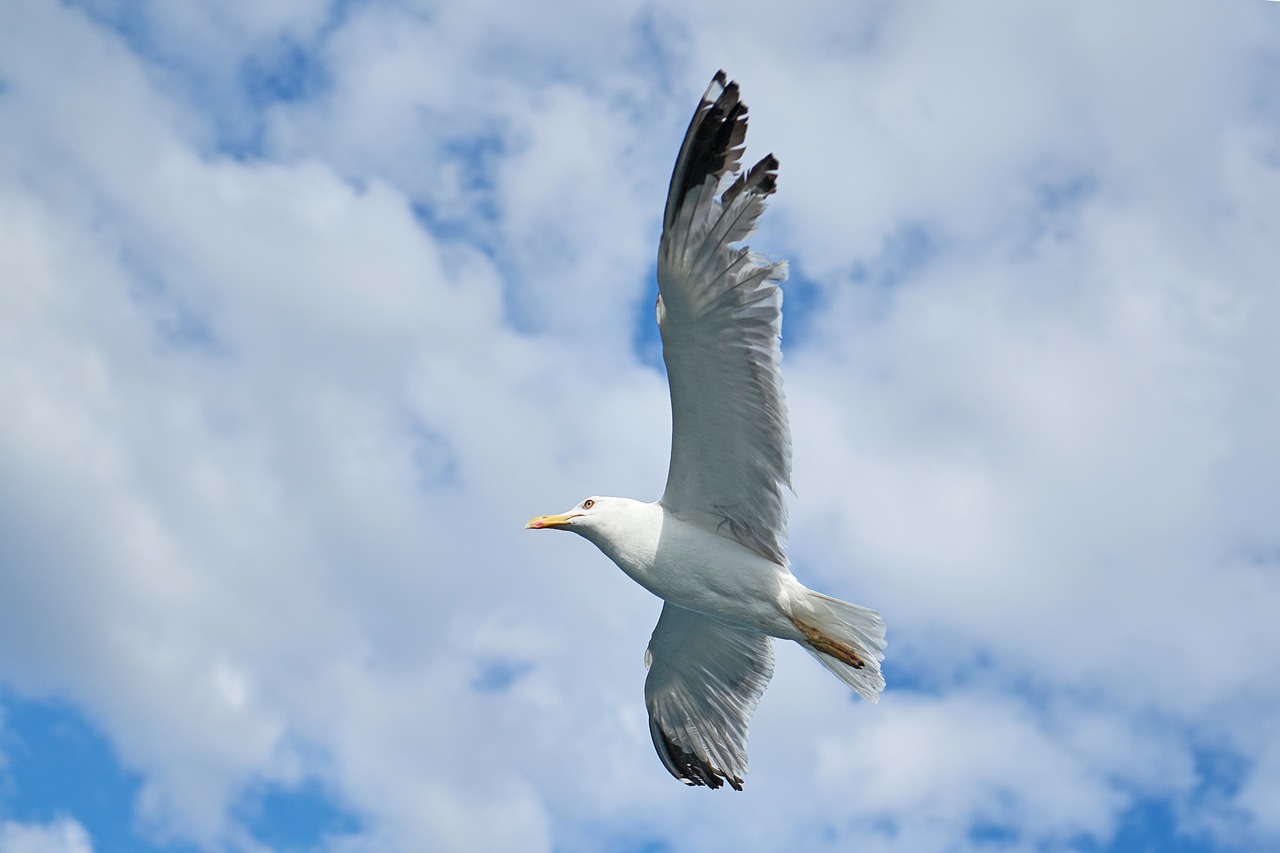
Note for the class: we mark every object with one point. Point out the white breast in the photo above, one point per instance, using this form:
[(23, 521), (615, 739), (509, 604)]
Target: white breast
[(696, 568)]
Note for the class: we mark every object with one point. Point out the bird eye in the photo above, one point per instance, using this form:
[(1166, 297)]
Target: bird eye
[(588, 503)]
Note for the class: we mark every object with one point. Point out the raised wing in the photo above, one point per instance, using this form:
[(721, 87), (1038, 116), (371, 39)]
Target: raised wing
[(720, 313), (705, 681)]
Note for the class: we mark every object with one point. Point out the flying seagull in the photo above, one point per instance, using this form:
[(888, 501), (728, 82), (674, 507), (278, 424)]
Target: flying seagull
[(712, 547)]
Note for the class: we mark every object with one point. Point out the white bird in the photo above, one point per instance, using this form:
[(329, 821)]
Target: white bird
[(712, 547)]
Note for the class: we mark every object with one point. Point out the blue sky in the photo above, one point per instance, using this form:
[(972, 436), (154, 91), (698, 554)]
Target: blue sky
[(306, 307)]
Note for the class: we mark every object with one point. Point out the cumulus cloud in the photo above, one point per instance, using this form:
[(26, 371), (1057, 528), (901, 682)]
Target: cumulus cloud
[(305, 308)]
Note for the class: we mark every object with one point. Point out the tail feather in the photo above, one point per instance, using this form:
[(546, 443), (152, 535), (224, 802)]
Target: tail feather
[(845, 638)]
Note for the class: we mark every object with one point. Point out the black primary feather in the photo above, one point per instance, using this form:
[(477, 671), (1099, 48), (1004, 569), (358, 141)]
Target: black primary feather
[(686, 766), (713, 147)]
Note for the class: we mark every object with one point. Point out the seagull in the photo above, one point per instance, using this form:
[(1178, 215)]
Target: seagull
[(712, 547)]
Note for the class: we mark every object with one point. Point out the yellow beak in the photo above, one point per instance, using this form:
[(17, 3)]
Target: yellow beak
[(550, 521)]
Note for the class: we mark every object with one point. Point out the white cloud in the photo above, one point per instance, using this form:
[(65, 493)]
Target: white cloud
[(59, 836), (275, 421)]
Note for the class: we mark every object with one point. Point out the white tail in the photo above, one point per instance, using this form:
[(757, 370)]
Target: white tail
[(845, 638)]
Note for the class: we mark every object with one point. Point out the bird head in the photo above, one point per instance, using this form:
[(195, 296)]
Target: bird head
[(576, 519), (620, 527)]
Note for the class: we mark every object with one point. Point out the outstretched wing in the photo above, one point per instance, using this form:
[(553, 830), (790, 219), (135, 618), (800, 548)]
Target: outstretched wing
[(705, 681), (720, 314)]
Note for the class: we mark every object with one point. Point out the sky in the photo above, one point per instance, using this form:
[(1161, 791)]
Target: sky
[(306, 307)]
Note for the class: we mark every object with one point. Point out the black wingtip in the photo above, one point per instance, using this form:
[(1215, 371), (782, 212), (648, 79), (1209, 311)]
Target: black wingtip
[(762, 178), (719, 80), (687, 767), (713, 144)]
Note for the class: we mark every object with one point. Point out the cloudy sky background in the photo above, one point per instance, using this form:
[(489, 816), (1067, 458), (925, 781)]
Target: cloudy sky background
[(306, 307)]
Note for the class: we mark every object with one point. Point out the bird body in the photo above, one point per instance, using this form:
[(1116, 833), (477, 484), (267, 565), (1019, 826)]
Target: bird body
[(713, 546), (687, 565)]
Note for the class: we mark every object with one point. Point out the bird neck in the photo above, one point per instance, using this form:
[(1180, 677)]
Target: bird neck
[(630, 536)]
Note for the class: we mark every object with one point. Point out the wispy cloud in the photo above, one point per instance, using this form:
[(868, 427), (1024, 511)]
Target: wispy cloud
[(60, 836)]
